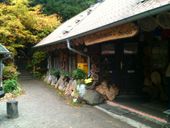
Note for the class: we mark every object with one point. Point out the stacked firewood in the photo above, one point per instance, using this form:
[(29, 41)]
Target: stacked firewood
[(109, 92)]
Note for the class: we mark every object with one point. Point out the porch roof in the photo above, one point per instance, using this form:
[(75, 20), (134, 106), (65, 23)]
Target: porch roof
[(3, 50), (103, 15)]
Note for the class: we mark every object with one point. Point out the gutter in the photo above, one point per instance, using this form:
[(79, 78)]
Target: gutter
[(80, 53)]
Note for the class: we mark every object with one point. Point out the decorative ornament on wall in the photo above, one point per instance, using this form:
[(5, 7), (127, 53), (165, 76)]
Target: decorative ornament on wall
[(148, 24), (163, 20)]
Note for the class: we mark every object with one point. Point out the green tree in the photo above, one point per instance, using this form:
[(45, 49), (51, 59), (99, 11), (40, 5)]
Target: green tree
[(38, 64), (22, 25), (65, 8)]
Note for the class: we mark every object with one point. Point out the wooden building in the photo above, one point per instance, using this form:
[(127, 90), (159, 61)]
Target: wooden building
[(125, 42)]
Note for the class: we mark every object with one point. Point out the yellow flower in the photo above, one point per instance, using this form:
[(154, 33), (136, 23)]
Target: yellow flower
[(87, 81)]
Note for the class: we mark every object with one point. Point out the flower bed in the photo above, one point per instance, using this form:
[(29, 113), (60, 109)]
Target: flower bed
[(76, 86)]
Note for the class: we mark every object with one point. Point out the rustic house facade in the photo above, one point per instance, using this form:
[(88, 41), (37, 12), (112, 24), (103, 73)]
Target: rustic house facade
[(126, 43)]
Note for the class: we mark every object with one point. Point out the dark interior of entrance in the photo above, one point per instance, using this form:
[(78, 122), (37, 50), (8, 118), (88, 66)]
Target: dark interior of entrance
[(123, 67), (138, 65)]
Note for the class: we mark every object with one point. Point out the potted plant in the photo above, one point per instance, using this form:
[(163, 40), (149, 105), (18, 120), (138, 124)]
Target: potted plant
[(55, 72), (78, 74)]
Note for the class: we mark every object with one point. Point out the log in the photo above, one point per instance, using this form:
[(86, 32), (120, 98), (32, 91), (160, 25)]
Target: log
[(12, 109)]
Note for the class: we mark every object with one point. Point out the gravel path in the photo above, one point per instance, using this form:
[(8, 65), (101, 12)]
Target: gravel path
[(40, 107)]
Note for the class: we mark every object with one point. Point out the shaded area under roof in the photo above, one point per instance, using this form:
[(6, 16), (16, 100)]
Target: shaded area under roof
[(104, 15)]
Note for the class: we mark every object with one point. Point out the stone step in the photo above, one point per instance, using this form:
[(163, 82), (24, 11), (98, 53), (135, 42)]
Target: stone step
[(25, 75)]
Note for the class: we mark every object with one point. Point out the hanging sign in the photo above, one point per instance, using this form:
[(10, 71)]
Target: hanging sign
[(107, 49), (113, 33)]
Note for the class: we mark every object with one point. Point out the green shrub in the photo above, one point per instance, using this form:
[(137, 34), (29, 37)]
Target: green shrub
[(65, 73), (37, 74), (18, 91), (10, 85), (37, 65), (78, 74), (55, 72), (38, 57), (10, 72)]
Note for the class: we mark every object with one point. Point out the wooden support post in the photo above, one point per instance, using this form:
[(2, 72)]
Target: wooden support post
[(12, 109), (1, 71), (2, 93)]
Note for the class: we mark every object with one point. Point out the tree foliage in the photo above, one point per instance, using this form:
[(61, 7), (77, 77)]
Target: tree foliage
[(37, 65), (65, 8), (22, 25), (23, 22)]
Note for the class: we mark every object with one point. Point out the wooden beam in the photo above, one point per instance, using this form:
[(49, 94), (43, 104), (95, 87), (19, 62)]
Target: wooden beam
[(118, 32)]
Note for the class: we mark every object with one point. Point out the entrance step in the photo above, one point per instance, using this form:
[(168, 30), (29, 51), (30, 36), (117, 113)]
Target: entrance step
[(132, 96), (131, 116)]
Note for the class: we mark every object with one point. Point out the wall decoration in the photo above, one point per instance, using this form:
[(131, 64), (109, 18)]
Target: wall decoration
[(148, 24), (163, 20)]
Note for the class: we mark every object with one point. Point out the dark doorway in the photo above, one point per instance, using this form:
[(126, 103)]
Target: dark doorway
[(131, 69), (123, 68)]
